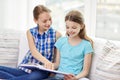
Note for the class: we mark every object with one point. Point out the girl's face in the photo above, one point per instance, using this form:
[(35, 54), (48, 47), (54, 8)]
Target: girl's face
[(44, 21), (72, 28)]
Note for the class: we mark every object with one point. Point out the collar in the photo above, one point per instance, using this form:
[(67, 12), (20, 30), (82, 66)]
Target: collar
[(46, 32)]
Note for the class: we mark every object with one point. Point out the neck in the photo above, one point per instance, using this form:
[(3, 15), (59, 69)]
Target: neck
[(74, 38), (41, 31)]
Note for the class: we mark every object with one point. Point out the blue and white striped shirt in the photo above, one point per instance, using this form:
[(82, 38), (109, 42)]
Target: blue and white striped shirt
[(44, 44)]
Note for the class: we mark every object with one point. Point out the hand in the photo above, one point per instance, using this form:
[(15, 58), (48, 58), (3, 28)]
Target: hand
[(49, 65), (70, 77)]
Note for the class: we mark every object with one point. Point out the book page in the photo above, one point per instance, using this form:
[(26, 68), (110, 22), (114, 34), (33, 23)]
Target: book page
[(30, 66)]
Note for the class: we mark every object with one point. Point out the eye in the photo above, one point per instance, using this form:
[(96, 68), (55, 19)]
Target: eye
[(44, 21), (50, 19), (74, 27), (67, 27)]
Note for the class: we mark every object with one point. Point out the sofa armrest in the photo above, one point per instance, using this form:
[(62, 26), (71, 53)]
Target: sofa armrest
[(23, 47)]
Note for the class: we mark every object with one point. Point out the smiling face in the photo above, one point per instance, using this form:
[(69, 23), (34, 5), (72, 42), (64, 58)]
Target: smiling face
[(72, 28), (44, 21)]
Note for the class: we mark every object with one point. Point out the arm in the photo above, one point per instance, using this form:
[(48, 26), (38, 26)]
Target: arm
[(57, 59), (86, 66), (57, 53), (35, 53)]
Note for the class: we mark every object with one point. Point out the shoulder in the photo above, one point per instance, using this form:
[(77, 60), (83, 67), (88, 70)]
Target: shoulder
[(86, 42), (60, 42), (87, 46), (34, 28), (58, 35), (32, 31), (62, 39)]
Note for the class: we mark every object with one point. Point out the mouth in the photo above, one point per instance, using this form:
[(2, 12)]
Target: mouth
[(47, 26), (71, 33)]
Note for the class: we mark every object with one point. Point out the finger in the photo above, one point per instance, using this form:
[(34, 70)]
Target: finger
[(45, 65), (70, 76), (73, 78), (65, 78), (52, 66), (49, 66)]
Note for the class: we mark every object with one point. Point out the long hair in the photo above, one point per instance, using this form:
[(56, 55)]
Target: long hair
[(77, 17)]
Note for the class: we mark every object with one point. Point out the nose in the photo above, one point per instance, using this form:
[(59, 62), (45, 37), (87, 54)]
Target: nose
[(70, 30), (48, 22)]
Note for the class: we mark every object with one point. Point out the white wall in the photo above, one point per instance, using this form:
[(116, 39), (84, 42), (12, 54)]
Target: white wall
[(31, 5), (13, 14), (18, 14), (90, 16)]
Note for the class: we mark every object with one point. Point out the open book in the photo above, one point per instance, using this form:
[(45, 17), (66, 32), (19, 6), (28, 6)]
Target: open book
[(37, 66)]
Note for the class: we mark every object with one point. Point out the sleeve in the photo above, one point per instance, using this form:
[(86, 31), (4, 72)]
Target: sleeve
[(88, 48), (59, 43)]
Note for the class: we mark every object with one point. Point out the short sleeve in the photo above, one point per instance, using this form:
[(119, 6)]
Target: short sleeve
[(59, 42), (88, 48)]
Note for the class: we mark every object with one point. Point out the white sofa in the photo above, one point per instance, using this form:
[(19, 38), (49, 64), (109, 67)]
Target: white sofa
[(98, 45)]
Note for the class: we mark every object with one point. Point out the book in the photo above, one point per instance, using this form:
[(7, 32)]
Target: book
[(40, 67)]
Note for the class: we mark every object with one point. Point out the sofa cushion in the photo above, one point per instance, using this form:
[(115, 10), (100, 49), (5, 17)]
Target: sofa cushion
[(108, 63), (9, 48)]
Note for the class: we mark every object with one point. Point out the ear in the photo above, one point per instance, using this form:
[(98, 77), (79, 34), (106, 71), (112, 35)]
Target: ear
[(82, 26)]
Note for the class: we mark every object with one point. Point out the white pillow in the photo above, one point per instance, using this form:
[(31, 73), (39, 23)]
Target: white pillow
[(9, 48), (108, 63)]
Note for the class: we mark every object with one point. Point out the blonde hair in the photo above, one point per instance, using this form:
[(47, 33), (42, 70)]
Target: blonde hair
[(77, 17), (38, 10)]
